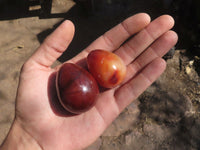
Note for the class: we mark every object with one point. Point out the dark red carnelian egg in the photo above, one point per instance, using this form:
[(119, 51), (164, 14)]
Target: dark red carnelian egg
[(76, 88)]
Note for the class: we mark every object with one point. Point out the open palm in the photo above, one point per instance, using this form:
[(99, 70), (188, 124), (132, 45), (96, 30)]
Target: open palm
[(37, 110)]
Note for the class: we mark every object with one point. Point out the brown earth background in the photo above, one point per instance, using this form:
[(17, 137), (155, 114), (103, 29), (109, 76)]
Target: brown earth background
[(165, 117)]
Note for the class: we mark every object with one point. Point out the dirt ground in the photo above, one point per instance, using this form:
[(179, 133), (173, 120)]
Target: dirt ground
[(165, 117)]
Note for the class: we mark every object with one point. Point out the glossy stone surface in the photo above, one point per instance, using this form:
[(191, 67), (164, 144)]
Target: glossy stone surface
[(77, 89), (107, 68)]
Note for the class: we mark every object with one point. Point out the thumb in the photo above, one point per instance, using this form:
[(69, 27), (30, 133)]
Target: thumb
[(54, 45)]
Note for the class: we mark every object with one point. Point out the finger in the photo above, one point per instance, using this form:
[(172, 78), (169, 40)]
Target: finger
[(117, 35), (113, 38), (135, 46), (113, 102), (54, 45), (158, 49), (139, 84)]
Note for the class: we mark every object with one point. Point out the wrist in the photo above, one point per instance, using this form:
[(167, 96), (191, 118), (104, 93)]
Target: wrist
[(19, 139)]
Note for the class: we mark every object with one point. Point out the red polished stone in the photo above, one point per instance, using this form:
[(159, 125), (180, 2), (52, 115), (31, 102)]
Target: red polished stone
[(107, 68), (77, 89)]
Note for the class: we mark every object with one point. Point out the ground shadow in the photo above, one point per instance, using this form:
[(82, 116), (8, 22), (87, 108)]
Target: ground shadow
[(169, 109), (93, 17), (90, 23), (14, 9)]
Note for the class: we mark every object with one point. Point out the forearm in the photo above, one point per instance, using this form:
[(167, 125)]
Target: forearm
[(19, 139)]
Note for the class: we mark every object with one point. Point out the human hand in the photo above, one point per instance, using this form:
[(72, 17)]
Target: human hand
[(41, 123)]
